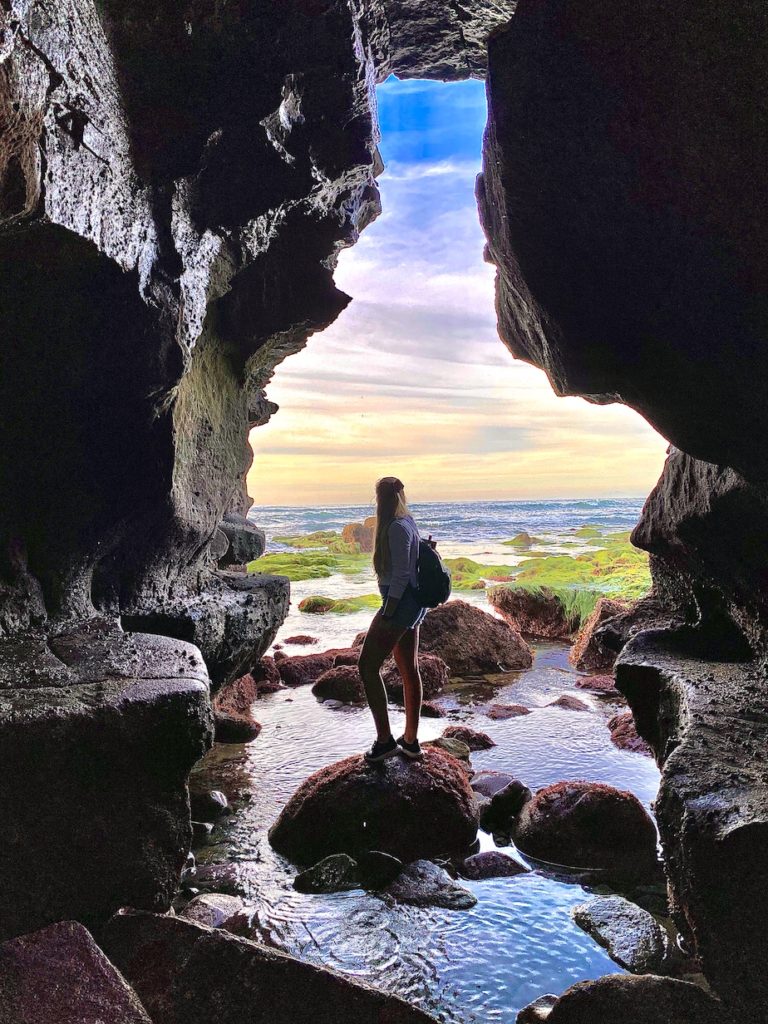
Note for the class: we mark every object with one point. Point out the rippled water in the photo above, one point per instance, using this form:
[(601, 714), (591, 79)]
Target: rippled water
[(463, 966)]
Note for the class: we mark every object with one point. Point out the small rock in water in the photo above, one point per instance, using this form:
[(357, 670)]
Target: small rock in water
[(376, 869), (491, 864), (340, 683), (624, 734), (218, 910), (301, 639), (489, 782), (499, 712), (504, 807), (431, 710), (453, 747), (336, 873), (207, 805), (474, 739), (600, 684), (538, 1011), (424, 884), (568, 702), (632, 936)]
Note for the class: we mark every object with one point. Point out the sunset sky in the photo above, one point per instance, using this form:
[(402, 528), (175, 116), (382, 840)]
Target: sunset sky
[(412, 378)]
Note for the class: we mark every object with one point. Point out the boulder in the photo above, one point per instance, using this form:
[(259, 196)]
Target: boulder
[(424, 884), (58, 975), (536, 613), (301, 639), (207, 804), (624, 734), (456, 748), (599, 684), (643, 999), (500, 712), (185, 973), (246, 541), (266, 675), (346, 656), (362, 534), (301, 669), (474, 739), (376, 869), (491, 864), (504, 805), (407, 809), (489, 782), (336, 873), (538, 1011), (232, 716), (341, 683), (632, 936), (472, 642), (589, 825), (569, 702), (218, 910), (225, 877), (432, 669), (429, 709), (589, 653)]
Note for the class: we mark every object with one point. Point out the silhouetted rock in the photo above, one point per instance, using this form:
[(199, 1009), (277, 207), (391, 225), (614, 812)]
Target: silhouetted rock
[(589, 653), (472, 642), (504, 804), (643, 999), (376, 869), (491, 864), (409, 810), (589, 825), (424, 884), (537, 613), (218, 910), (538, 1011), (335, 873)]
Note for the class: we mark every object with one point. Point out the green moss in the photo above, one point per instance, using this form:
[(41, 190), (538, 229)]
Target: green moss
[(617, 570), (588, 531), (523, 540), (466, 574), (345, 547), (318, 539), (317, 604), (577, 603), (307, 565)]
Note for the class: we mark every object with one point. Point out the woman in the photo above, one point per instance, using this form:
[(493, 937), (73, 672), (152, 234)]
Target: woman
[(395, 626)]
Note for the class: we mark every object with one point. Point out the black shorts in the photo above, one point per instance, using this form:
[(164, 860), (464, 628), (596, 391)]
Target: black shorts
[(409, 614)]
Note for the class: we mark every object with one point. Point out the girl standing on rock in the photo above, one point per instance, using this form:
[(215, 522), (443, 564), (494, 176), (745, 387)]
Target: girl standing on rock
[(395, 626)]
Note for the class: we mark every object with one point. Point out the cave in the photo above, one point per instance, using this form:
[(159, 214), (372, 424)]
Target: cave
[(169, 237)]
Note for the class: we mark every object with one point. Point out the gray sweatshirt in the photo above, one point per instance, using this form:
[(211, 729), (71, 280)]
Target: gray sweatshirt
[(404, 556)]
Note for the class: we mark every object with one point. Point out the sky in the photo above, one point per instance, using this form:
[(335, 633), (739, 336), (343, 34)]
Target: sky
[(412, 379)]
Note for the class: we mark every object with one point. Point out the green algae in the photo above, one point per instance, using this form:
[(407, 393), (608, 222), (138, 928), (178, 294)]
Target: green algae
[(306, 565), (524, 541), (318, 539), (466, 574), (318, 604)]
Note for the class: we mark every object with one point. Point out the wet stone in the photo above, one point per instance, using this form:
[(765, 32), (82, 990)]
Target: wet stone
[(424, 884), (336, 873), (491, 864), (632, 936)]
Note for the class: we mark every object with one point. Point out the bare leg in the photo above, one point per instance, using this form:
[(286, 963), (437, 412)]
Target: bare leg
[(407, 658), (379, 642)]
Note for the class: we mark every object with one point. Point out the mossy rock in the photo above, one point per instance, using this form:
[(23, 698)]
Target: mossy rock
[(318, 604), (309, 565), (318, 539)]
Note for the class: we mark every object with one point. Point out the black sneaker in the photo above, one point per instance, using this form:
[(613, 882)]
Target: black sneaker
[(412, 750), (381, 751)]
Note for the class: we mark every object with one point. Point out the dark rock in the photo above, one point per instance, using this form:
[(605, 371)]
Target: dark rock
[(455, 747), (208, 804), (589, 825), (432, 669), (489, 782), (246, 541), (184, 972), (336, 873), (301, 639), (300, 669), (94, 759), (59, 975), (624, 734), (424, 884), (491, 864), (569, 702), (218, 910), (232, 716), (341, 683), (266, 675), (537, 613), (631, 935), (472, 642), (219, 878), (409, 810), (431, 710), (589, 653), (347, 656), (474, 740), (536, 1012), (376, 869), (201, 830), (500, 712), (504, 806), (643, 999), (598, 684)]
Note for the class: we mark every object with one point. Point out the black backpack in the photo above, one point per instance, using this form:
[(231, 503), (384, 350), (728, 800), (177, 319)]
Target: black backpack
[(434, 579)]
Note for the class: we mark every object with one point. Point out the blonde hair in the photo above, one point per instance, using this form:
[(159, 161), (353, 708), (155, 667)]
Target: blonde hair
[(390, 505)]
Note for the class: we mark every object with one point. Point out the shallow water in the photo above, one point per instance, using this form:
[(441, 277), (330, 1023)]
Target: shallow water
[(463, 966)]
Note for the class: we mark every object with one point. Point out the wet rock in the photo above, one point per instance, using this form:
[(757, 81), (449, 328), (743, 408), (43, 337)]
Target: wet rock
[(491, 864), (429, 709), (569, 702), (208, 804), (301, 639), (218, 910), (336, 873), (424, 884), (643, 999), (58, 975), (599, 684), (504, 805), (589, 653), (185, 972), (246, 541), (266, 675), (536, 613), (409, 810), (362, 534), (376, 869), (219, 878), (301, 669), (500, 712), (489, 782), (432, 669), (474, 739), (455, 747), (341, 683), (624, 734), (589, 825), (631, 935), (472, 642), (538, 1011), (233, 718)]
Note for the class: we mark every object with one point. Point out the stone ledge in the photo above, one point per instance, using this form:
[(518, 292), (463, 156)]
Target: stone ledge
[(707, 722)]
